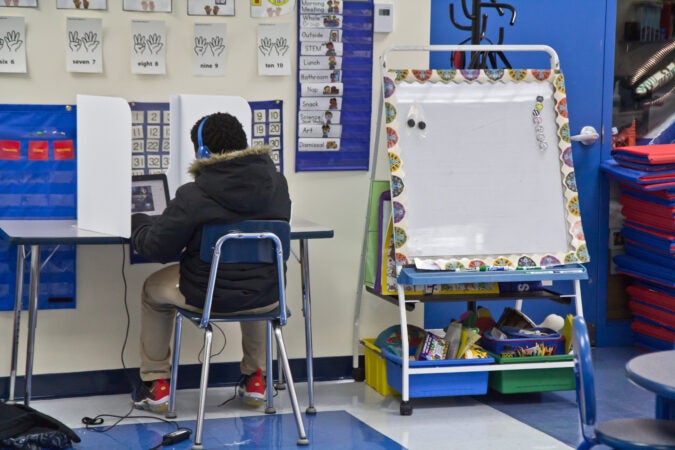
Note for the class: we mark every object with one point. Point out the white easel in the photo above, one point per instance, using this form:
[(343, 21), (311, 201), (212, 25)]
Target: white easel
[(412, 277)]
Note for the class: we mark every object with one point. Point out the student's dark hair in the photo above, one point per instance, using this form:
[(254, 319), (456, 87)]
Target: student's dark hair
[(222, 132)]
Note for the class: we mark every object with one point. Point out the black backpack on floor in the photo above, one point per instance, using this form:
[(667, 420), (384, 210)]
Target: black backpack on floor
[(22, 427)]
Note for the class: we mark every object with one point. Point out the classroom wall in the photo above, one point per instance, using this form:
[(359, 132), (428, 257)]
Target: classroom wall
[(91, 336)]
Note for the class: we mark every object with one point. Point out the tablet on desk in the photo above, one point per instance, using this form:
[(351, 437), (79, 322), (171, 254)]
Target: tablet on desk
[(149, 194)]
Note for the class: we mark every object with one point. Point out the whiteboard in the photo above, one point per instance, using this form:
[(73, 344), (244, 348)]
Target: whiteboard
[(488, 176)]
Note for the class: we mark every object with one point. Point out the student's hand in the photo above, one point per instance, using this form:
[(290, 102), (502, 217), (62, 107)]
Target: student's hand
[(217, 46), (89, 41), (13, 41), (155, 43)]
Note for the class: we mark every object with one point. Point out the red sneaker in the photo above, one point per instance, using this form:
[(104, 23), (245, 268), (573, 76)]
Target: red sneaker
[(252, 389), (154, 398)]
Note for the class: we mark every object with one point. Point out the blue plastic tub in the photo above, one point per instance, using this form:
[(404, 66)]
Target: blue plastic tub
[(438, 384)]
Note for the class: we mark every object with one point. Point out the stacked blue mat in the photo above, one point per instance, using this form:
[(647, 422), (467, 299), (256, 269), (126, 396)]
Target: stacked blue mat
[(646, 178)]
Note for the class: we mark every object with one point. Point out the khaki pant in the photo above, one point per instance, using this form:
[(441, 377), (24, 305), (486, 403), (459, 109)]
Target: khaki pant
[(160, 295)]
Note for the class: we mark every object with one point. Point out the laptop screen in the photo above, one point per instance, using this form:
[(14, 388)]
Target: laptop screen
[(149, 194)]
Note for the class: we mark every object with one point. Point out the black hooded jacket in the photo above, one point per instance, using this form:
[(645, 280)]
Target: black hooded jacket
[(228, 188)]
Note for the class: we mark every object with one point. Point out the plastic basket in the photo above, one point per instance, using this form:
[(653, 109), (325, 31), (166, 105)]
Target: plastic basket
[(438, 384), (532, 380), (506, 346), (376, 369)]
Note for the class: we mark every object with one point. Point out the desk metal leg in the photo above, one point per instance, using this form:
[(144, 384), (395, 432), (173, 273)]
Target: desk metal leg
[(18, 298), (307, 308), (33, 293)]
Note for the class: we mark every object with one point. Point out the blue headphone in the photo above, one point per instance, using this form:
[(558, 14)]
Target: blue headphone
[(202, 150)]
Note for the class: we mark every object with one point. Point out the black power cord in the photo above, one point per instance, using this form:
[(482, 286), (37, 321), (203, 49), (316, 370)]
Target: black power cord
[(179, 434)]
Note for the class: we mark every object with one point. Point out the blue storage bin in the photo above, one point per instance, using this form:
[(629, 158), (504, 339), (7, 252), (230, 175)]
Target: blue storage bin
[(515, 345), (438, 384)]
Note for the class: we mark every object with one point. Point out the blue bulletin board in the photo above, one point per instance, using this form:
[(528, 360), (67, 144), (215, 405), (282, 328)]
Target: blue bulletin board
[(335, 60), (38, 180)]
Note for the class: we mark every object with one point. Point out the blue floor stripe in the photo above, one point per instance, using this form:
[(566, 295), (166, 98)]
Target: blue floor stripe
[(325, 430)]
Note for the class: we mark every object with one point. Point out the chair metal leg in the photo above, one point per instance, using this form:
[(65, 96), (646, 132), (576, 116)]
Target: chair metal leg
[(281, 348), (203, 384), (281, 385), (171, 413), (270, 372)]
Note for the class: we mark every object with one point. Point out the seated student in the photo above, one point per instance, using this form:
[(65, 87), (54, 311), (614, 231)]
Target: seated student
[(231, 183)]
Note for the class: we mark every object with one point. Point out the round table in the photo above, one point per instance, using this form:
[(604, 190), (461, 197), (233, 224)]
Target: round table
[(656, 372)]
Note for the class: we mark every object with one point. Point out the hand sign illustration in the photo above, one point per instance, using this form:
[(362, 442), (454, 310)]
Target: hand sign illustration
[(90, 41), (74, 41), (281, 46), (139, 43), (217, 46), (265, 46), (155, 43), (200, 45), (13, 40)]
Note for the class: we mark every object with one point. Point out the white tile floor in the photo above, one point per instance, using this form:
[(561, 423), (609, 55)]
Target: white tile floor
[(436, 423)]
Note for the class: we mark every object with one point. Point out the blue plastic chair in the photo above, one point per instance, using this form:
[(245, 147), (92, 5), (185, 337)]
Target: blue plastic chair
[(638, 433), (252, 241)]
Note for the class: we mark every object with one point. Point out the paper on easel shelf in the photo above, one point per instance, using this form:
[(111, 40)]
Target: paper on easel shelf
[(185, 111)]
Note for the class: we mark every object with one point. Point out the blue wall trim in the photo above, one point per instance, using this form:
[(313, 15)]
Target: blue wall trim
[(121, 381)]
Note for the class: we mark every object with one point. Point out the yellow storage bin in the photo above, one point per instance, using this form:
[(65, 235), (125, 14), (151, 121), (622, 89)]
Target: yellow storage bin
[(376, 368)]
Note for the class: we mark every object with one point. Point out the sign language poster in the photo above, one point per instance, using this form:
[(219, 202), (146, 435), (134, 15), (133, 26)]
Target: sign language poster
[(83, 45), (148, 49), (273, 49), (209, 49), (12, 45)]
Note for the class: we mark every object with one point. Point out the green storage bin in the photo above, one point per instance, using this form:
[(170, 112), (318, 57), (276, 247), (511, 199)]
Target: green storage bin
[(532, 380)]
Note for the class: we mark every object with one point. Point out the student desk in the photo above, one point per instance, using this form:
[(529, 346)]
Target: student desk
[(654, 372), (34, 233)]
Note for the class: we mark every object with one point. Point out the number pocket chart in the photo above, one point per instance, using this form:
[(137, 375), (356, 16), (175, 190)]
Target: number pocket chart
[(335, 48)]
